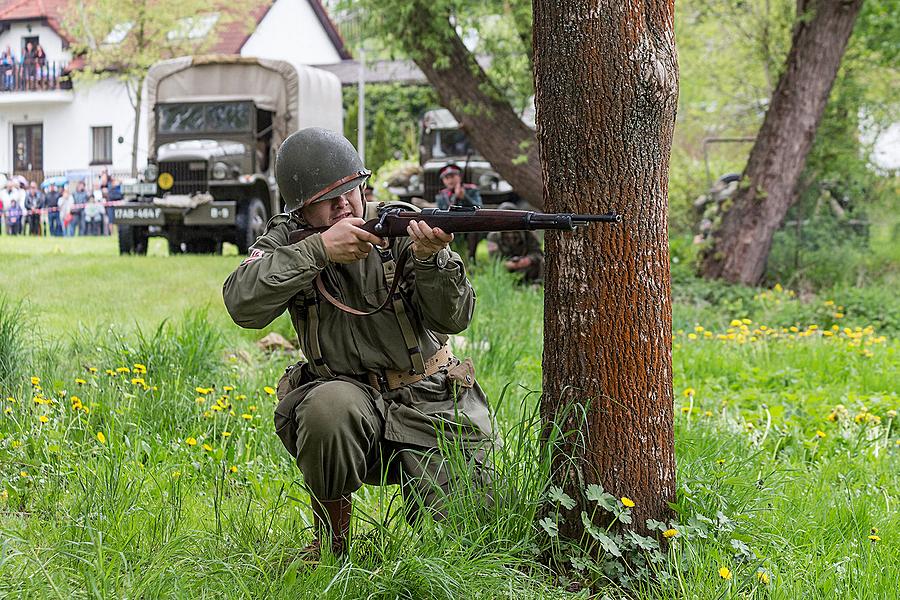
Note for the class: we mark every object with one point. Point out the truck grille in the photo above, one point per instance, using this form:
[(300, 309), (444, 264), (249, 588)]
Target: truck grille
[(190, 176)]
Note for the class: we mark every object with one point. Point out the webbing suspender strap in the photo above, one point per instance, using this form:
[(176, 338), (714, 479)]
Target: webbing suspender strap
[(315, 349), (406, 328)]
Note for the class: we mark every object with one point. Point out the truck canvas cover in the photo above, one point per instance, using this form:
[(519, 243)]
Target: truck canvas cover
[(298, 96)]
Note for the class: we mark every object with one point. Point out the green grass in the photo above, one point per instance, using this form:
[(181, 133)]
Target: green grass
[(790, 482)]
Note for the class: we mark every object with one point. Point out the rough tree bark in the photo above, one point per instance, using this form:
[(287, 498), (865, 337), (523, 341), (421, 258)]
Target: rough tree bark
[(741, 243), (606, 92), (463, 87)]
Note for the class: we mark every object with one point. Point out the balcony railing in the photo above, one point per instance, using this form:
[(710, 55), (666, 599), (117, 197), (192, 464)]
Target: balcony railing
[(33, 77)]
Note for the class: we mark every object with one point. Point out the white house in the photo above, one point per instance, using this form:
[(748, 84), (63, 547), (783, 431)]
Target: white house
[(49, 126)]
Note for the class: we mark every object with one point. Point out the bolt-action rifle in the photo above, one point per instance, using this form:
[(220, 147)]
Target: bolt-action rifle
[(392, 222)]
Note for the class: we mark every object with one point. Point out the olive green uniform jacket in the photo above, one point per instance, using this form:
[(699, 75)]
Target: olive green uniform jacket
[(439, 301)]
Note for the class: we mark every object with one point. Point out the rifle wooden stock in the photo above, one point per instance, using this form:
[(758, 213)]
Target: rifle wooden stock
[(393, 222)]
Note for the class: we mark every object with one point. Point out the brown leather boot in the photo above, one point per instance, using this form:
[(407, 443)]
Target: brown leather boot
[(332, 519)]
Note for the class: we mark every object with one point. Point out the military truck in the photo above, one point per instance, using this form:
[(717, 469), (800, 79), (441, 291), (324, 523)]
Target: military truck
[(442, 141), (215, 124)]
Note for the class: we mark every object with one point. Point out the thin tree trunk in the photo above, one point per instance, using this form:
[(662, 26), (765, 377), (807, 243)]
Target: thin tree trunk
[(607, 84), (741, 243), (135, 138), (481, 109)]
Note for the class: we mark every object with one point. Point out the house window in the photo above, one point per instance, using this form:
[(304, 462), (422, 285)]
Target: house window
[(101, 145)]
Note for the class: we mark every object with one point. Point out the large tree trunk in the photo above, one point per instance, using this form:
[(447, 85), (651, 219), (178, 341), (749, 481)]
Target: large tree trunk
[(481, 109), (741, 243), (607, 85)]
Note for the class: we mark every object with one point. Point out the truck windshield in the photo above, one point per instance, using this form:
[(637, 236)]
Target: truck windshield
[(447, 142), (204, 117)]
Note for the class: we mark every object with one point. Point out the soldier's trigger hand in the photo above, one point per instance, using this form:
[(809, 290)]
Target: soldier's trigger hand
[(345, 242)]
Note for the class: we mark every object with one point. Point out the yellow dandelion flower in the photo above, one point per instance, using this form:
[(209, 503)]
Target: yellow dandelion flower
[(233, 469), (24, 474), (670, 533), (874, 538), (746, 321), (720, 461), (269, 390), (228, 388), (252, 408), (627, 502), (202, 390), (874, 530), (699, 329), (191, 441), (829, 303), (707, 334), (207, 447), (8, 410), (123, 370), (838, 315), (725, 573), (138, 381), (793, 329), (685, 409), (4, 495), (735, 323), (689, 392), (92, 370), (101, 438), (692, 336), (763, 577), (226, 434), (16, 444), (35, 381), (43, 419), (707, 413), (139, 368), (246, 416), (80, 381), (200, 399), (240, 397), (176, 474), (109, 372), (778, 288), (820, 434)]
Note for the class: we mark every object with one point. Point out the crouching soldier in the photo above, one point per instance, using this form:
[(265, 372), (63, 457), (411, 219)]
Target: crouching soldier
[(380, 387), (520, 251)]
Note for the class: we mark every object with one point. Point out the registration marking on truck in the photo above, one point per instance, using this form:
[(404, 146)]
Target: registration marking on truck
[(139, 215)]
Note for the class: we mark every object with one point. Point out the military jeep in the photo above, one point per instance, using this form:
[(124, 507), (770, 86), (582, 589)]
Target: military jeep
[(441, 142), (215, 125)]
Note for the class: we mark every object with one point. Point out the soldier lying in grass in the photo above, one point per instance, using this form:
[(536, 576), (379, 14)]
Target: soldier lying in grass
[(380, 387)]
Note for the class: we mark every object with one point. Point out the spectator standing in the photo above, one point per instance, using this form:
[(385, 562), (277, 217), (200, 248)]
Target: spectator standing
[(28, 68), (114, 196), (34, 202), (66, 202), (93, 217), (7, 70), (14, 217), (51, 204), (41, 68), (81, 198)]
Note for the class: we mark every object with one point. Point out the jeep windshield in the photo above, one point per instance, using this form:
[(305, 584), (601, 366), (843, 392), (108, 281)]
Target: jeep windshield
[(442, 143), (204, 117)]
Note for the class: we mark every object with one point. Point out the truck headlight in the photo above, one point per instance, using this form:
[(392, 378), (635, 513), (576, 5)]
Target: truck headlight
[(488, 182), (151, 172), (219, 170)]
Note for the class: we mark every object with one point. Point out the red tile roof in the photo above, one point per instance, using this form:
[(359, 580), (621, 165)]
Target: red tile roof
[(47, 10)]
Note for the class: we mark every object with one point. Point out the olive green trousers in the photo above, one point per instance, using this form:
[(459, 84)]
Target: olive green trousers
[(336, 432)]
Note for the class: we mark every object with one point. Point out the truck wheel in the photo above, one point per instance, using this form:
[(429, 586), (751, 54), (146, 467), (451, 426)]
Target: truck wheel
[(250, 224), (133, 240)]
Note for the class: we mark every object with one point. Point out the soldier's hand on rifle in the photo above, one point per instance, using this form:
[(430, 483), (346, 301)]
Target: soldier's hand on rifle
[(345, 242), (427, 241)]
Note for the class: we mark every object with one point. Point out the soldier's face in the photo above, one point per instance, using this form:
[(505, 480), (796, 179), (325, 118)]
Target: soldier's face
[(328, 212)]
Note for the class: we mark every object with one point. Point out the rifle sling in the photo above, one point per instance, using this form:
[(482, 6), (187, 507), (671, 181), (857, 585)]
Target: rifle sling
[(320, 285)]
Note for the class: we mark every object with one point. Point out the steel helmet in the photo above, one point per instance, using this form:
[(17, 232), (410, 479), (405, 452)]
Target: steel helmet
[(316, 164)]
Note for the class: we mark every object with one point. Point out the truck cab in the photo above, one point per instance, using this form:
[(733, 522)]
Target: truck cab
[(216, 122)]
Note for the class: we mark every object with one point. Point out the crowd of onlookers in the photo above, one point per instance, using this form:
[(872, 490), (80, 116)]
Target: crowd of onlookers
[(62, 209), (30, 71)]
